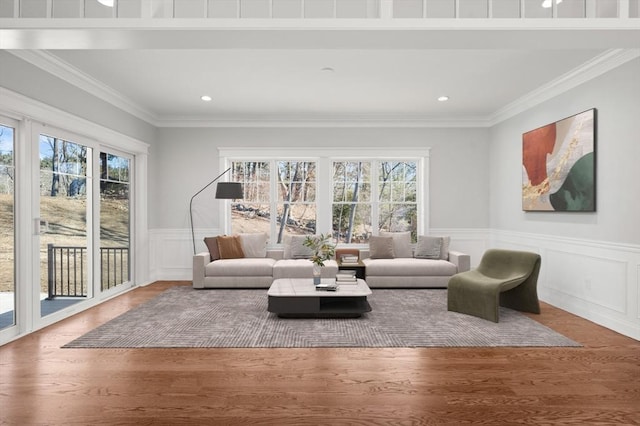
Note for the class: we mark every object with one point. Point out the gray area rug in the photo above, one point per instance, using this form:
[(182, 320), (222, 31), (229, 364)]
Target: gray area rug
[(182, 317)]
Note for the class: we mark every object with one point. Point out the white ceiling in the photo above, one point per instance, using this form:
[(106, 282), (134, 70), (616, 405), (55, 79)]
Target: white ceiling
[(280, 84), (272, 72)]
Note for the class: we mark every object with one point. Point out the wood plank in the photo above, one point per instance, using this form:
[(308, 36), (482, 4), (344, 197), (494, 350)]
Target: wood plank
[(40, 383)]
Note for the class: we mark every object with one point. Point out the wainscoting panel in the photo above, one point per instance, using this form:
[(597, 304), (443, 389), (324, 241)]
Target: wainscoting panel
[(596, 280), (470, 241), (171, 252), (638, 292), (589, 278)]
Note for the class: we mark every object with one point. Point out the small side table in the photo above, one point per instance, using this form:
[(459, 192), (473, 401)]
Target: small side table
[(360, 268)]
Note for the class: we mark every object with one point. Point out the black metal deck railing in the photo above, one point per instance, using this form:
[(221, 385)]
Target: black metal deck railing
[(66, 269)]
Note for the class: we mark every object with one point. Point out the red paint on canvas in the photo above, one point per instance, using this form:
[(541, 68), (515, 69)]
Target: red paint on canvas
[(536, 145)]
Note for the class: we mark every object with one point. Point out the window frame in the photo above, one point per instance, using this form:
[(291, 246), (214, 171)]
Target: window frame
[(324, 178)]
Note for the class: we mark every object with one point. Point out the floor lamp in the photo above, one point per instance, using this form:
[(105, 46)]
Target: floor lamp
[(224, 190)]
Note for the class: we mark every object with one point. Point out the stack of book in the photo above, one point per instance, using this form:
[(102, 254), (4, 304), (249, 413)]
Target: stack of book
[(346, 277), (349, 259)]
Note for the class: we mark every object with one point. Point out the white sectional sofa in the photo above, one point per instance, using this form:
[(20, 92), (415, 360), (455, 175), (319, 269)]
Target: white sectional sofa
[(396, 268), (412, 272), (253, 272)]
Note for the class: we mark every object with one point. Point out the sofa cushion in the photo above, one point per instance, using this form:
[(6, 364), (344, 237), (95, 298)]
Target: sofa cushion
[(401, 243), (254, 245), (381, 247), (230, 247), (294, 247), (428, 247), (302, 268), (403, 267), (250, 267), (212, 245)]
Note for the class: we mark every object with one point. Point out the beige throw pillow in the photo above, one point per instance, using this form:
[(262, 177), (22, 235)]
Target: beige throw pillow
[(401, 243), (381, 247), (230, 247), (254, 245)]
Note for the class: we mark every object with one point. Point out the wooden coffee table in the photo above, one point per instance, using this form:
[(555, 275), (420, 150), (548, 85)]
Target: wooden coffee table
[(298, 298)]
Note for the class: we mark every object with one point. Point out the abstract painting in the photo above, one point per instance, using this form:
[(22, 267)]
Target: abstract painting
[(559, 165)]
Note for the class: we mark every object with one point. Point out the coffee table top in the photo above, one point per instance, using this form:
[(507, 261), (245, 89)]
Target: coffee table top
[(304, 287)]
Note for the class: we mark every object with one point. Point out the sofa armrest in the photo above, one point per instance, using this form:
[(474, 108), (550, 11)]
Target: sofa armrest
[(200, 260), (461, 260)]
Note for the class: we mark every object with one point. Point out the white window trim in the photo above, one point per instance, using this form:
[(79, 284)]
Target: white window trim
[(325, 157)]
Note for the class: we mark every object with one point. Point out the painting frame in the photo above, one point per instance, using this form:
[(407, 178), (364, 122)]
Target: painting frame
[(559, 165)]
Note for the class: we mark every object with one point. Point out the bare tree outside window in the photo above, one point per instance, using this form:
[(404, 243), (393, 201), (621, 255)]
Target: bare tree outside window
[(296, 198), (367, 197), (253, 212), (397, 196), (351, 201)]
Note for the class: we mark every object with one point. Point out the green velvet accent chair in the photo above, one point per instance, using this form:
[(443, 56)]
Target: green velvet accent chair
[(506, 278)]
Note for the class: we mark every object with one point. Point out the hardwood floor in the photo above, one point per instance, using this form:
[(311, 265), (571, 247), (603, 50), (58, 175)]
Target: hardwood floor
[(42, 384)]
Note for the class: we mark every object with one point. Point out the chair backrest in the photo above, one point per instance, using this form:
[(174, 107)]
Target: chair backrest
[(503, 264)]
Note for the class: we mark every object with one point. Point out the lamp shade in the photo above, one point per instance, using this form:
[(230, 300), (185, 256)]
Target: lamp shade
[(229, 190)]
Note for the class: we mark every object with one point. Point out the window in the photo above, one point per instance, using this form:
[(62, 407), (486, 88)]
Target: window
[(392, 207), (295, 207), (353, 197)]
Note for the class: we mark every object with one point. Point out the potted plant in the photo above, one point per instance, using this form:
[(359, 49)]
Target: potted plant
[(323, 249)]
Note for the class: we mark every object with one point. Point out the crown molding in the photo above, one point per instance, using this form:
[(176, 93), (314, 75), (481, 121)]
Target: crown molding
[(67, 72), (597, 66), (327, 121)]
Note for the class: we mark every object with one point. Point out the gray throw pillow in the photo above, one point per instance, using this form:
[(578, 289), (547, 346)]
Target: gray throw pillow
[(428, 247), (444, 251), (381, 247)]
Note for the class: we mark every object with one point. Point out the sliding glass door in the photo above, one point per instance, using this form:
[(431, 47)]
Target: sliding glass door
[(7, 224), (65, 217), (115, 214)]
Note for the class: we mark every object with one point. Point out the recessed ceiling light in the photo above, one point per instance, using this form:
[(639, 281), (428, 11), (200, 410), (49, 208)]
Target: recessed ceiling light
[(108, 3), (327, 70), (443, 98), (205, 98)]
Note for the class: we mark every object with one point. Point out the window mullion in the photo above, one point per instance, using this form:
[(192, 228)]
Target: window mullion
[(375, 197), (324, 194), (273, 200)]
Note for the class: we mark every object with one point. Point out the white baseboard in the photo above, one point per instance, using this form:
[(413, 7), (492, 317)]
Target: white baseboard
[(596, 280)]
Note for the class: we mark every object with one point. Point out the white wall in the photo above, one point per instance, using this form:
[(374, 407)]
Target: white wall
[(182, 160), (185, 159), (591, 261)]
